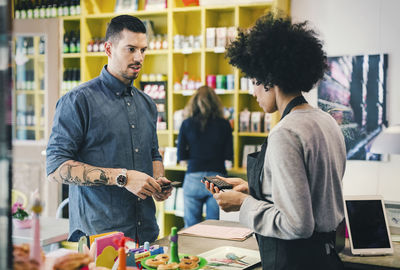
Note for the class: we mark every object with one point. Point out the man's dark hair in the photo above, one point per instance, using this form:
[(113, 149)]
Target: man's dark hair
[(277, 52), (119, 23)]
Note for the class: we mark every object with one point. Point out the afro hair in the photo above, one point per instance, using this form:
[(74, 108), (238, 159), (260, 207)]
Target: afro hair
[(276, 52)]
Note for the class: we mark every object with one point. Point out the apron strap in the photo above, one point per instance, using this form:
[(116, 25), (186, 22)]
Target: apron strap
[(293, 103)]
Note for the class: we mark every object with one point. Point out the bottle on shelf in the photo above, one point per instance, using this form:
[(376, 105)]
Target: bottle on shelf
[(54, 9), (72, 43), (90, 46), (36, 10), (42, 45), (17, 9), (23, 9), (30, 116), (29, 9), (173, 244), (66, 45), (43, 6), (96, 45), (72, 8), (78, 7), (64, 82), (48, 8), (78, 42), (60, 8), (65, 8)]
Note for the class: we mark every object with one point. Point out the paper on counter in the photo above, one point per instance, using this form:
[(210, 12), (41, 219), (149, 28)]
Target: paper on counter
[(221, 232)]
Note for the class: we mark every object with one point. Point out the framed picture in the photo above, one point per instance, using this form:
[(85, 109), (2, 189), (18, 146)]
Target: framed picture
[(354, 93), (126, 5)]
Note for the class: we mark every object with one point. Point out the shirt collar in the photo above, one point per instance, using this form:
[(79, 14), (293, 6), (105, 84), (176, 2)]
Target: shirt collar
[(115, 85)]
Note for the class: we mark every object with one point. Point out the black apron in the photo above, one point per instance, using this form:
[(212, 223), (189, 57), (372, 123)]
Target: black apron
[(316, 252)]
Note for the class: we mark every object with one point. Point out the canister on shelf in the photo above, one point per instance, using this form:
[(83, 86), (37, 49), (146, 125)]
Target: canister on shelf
[(221, 81), (211, 81), (230, 82)]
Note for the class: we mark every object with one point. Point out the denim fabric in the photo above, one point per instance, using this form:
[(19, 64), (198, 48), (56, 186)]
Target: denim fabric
[(195, 196), (102, 124)]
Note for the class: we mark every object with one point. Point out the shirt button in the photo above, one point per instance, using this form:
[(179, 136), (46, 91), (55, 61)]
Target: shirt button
[(138, 199), (136, 150), (138, 223), (117, 93), (132, 126), (128, 104)]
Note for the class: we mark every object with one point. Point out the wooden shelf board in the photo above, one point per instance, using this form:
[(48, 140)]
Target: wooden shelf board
[(71, 55), (253, 134)]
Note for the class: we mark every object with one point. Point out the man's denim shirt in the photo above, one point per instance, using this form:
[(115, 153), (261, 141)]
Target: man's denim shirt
[(101, 124)]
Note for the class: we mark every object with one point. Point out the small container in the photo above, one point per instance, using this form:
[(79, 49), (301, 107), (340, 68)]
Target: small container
[(221, 81), (230, 82), (211, 81), (244, 84)]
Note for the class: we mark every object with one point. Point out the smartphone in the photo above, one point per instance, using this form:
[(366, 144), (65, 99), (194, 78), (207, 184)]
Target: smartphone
[(221, 184), (171, 185)]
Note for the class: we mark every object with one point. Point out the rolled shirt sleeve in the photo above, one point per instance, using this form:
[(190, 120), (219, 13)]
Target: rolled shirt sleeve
[(67, 132)]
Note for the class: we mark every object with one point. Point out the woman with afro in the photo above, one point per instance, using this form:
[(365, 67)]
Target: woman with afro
[(293, 197)]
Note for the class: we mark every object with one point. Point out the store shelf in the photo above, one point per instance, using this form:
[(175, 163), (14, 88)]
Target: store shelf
[(253, 134), (71, 55)]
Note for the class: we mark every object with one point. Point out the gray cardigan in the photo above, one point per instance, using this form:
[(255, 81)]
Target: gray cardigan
[(303, 170)]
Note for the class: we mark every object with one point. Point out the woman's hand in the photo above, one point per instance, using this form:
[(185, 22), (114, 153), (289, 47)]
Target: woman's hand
[(230, 200), (238, 185)]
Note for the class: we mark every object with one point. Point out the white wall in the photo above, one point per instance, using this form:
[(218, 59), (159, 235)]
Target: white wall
[(354, 27)]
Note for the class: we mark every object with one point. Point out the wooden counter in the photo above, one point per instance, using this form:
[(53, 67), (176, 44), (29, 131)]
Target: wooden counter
[(197, 245)]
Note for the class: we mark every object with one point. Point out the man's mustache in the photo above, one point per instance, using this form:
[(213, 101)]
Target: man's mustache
[(135, 65)]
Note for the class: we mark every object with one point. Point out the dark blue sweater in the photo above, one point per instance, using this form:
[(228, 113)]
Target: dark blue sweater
[(208, 150)]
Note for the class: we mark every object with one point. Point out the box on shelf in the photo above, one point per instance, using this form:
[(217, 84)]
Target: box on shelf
[(256, 121)]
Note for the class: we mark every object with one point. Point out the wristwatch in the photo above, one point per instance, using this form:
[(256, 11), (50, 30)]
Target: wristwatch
[(121, 179)]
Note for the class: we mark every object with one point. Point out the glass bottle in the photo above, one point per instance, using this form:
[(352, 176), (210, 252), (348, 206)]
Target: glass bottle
[(72, 43), (48, 8), (17, 9), (23, 9), (59, 8), (65, 8), (36, 10), (173, 244), (66, 43), (29, 9), (43, 6), (72, 8), (54, 9), (78, 7), (78, 42)]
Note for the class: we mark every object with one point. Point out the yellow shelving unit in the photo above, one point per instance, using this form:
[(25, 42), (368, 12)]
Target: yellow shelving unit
[(199, 62)]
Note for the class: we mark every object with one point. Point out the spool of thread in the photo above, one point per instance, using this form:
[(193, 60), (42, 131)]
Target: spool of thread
[(221, 81), (211, 81)]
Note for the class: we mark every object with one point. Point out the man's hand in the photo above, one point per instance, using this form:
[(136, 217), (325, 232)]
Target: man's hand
[(238, 185), (164, 194), (230, 200), (141, 184)]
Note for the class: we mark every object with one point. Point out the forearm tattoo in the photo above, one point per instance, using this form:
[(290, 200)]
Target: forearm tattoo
[(80, 174)]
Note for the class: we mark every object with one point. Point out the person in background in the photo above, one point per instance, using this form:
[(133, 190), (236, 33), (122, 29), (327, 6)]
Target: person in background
[(205, 141), (293, 197), (104, 144)]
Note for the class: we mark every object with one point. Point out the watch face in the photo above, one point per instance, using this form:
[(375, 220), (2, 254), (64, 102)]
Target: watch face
[(121, 180)]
